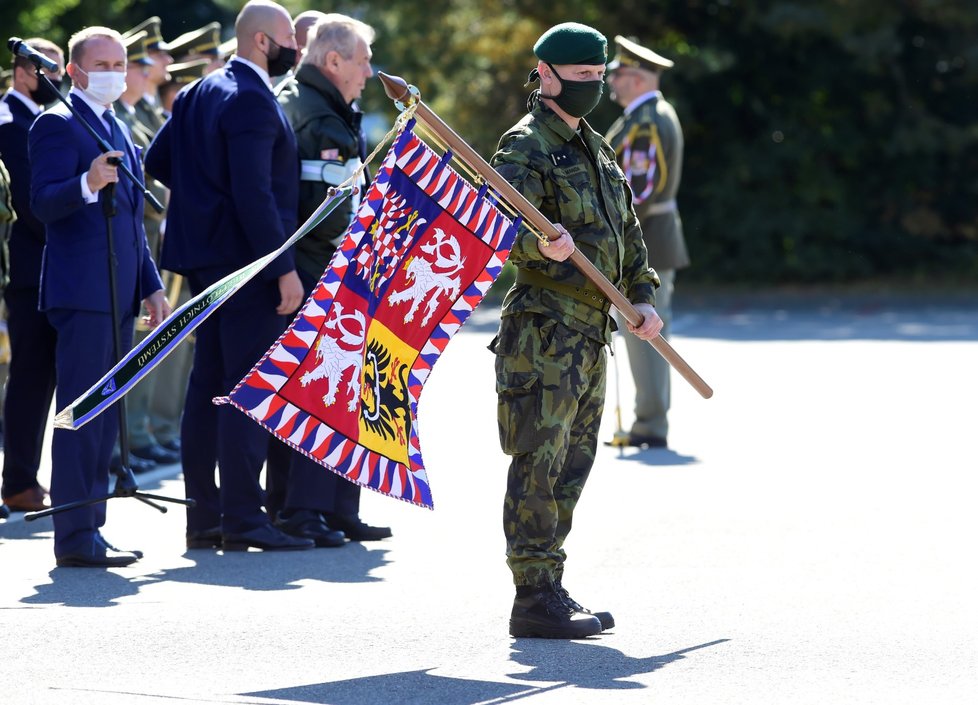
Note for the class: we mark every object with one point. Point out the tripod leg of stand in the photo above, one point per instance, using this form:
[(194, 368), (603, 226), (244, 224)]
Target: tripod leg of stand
[(142, 498)]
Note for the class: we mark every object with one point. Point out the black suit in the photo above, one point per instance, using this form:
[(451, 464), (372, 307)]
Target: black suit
[(31, 378), (229, 157)]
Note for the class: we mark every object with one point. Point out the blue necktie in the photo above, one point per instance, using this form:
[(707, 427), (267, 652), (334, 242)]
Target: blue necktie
[(116, 139)]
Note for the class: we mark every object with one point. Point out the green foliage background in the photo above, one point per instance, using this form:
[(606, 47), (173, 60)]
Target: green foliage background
[(826, 140)]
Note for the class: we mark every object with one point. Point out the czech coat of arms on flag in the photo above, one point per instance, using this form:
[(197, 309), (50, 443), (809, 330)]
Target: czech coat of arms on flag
[(342, 383)]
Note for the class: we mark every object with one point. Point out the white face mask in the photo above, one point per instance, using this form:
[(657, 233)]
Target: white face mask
[(104, 87)]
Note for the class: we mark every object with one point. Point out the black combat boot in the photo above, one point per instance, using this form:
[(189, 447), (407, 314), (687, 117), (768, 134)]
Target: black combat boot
[(607, 621), (539, 611)]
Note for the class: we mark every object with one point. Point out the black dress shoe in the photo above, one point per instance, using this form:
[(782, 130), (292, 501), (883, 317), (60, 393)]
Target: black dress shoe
[(205, 538), (607, 621), (355, 529), (172, 444), (101, 539), (308, 524), (267, 538), (157, 453), (137, 465), (542, 612), (100, 557), (4, 512)]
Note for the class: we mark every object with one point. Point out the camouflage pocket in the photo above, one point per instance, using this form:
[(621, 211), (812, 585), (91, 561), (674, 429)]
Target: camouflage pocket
[(517, 411), (575, 193)]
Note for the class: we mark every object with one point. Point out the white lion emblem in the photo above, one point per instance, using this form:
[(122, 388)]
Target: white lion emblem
[(425, 280), (333, 361)]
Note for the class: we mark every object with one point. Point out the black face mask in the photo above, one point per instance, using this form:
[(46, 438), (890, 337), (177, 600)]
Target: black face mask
[(283, 60), (576, 98), (45, 93)]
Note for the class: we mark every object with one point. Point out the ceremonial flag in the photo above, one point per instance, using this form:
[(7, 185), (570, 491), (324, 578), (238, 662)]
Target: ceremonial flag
[(342, 383), (176, 328)]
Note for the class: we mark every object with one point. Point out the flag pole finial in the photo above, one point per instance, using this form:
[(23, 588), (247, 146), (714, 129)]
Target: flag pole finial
[(396, 87)]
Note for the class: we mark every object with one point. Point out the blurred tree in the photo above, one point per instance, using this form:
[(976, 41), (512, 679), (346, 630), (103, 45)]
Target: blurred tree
[(826, 140)]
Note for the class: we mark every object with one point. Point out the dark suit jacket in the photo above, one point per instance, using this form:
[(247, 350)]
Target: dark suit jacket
[(75, 270), (27, 235), (229, 157)]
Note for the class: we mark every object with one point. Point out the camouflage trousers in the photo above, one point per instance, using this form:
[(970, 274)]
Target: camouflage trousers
[(550, 382)]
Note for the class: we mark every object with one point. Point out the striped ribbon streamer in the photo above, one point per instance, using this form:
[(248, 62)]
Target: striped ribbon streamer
[(181, 323)]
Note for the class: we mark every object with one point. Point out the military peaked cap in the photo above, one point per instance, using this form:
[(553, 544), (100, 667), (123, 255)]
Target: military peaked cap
[(137, 48), (572, 43), (629, 53), (187, 72), (229, 47), (154, 39), (205, 40)]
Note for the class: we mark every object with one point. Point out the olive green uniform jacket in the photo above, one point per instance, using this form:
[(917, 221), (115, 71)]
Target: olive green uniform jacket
[(648, 141)]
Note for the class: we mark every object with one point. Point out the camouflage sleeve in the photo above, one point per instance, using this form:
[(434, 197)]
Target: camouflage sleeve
[(639, 279), (514, 165)]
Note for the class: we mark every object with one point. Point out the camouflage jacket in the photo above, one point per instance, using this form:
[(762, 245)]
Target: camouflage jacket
[(648, 143), (573, 179)]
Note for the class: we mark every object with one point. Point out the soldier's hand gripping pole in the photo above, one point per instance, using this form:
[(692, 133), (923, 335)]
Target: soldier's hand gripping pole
[(398, 90)]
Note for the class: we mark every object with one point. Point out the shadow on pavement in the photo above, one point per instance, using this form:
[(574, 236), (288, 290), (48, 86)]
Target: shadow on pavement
[(253, 570), (82, 587), (657, 456), (561, 662), (556, 663), (407, 688)]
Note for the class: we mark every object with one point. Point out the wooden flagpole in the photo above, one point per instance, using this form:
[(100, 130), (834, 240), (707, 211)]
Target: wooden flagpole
[(397, 89)]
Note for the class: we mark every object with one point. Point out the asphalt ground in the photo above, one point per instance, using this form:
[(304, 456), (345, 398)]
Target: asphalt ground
[(808, 537)]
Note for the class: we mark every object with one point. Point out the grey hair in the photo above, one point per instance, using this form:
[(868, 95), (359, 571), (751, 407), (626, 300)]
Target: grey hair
[(335, 32)]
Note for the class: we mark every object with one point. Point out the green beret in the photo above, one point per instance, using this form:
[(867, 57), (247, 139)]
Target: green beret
[(572, 43)]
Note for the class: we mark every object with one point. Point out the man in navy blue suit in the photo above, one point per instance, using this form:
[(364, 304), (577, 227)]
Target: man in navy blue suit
[(30, 382), (68, 176), (229, 157)]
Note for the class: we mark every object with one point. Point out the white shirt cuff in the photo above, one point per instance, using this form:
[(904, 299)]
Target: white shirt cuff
[(87, 192)]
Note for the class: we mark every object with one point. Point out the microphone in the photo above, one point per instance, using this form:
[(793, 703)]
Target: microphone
[(20, 48)]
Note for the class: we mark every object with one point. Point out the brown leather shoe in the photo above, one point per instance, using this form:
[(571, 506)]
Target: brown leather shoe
[(33, 499)]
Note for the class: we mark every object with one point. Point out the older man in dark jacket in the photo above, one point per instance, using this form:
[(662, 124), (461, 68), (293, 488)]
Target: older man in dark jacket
[(320, 102)]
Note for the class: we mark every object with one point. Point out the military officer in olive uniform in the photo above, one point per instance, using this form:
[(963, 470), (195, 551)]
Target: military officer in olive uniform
[(550, 349), (148, 106), (138, 65), (648, 142)]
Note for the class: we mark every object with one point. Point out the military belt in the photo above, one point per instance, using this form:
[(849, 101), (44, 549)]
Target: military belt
[(661, 208), (591, 297)]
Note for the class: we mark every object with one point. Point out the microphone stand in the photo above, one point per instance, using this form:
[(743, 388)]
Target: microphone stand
[(125, 483)]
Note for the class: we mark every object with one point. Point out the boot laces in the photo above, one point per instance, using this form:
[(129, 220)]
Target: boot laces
[(567, 599), (555, 602)]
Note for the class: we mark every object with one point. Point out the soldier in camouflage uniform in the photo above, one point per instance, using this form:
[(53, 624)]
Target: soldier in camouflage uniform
[(648, 142), (550, 357)]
